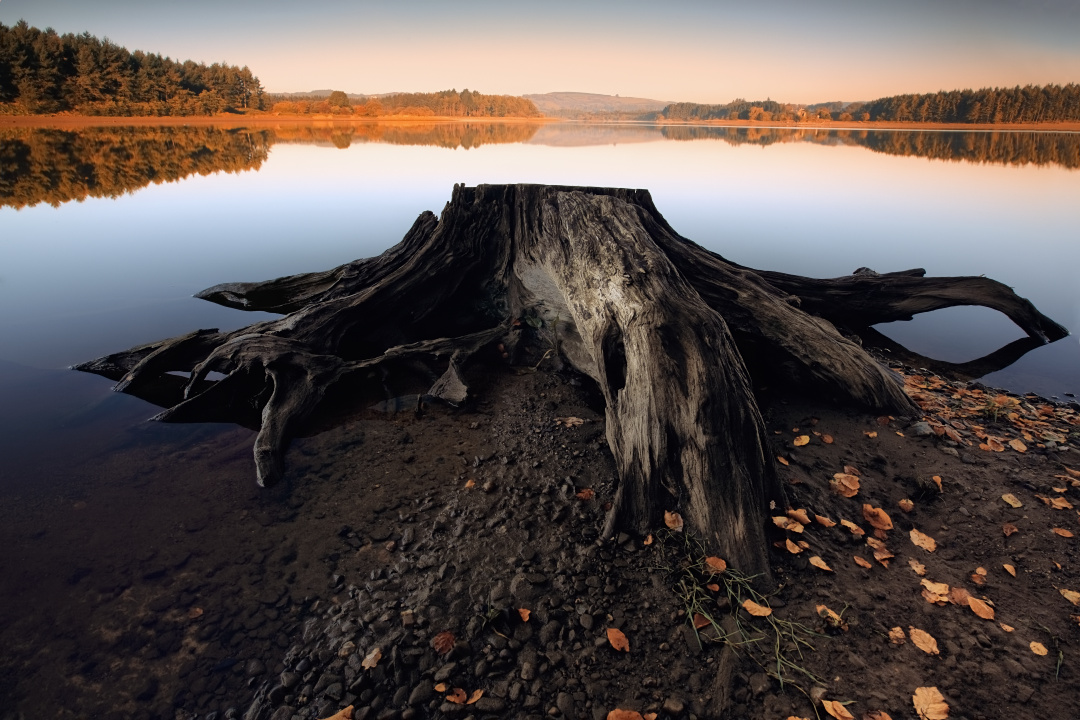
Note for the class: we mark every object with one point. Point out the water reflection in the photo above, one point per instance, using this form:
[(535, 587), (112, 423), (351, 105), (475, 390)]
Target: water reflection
[(49, 165)]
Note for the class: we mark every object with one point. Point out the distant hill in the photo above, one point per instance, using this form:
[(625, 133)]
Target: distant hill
[(576, 104)]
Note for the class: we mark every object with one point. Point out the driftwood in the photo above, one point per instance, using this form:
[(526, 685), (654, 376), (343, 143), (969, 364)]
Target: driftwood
[(670, 332)]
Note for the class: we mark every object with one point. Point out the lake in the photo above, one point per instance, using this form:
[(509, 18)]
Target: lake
[(105, 234)]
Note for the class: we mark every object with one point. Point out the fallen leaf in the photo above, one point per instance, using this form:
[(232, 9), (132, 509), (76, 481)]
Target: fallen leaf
[(937, 481), (801, 440), (923, 640), (1011, 500), (618, 640), (876, 715), (820, 564), (714, 587), (852, 470), (524, 613), (470, 483), (845, 484), (786, 523), (647, 540), (195, 612), (792, 547), (673, 520), (838, 711), (862, 562), (827, 439), (1017, 446), (1009, 529), (372, 658), (1070, 595), (1037, 648), (1062, 532), (918, 567), (1060, 503), (443, 642), (618, 714), (1006, 628), (832, 620), (586, 494), (897, 636), (981, 609), (651, 716), (476, 695), (440, 688), (959, 596), (700, 621), (800, 515), (782, 461), (877, 517), (457, 696), (756, 610), (822, 520), (342, 714), (906, 505), (1009, 569), (855, 529), (923, 540), (569, 421), (870, 433), (1070, 471), (930, 704), (715, 565), (933, 592)]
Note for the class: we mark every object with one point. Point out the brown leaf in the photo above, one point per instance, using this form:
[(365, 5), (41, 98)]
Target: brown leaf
[(1009, 569), (827, 439), (979, 576), (1060, 503), (918, 567), (586, 494), (443, 642), (822, 520), (440, 688), (1037, 648), (870, 433), (700, 621), (897, 636), (647, 540), (194, 613), (792, 547), (855, 529), (876, 715), (980, 608), (862, 562), (852, 470), (1062, 532), (714, 587), (838, 711), (832, 620), (786, 523), (937, 481), (756, 610), (673, 520), (1006, 628), (933, 592), (618, 714), (845, 484), (801, 440), (618, 640), (782, 461), (930, 704), (476, 695), (922, 540), (923, 640), (1070, 595), (820, 564), (715, 565), (457, 696), (800, 515), (1012, 500), (569, 421), (876, 517), (906, 505), (371, 659), (470, 483), (1018, 446), (342, 714), (959, 596), (1009, 529), (524, 613)]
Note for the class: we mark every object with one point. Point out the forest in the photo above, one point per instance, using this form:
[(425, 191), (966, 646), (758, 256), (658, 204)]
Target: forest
[(447, 103), (44, 72)]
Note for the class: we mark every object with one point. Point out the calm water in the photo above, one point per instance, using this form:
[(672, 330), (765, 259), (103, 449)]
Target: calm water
[(105, 234)]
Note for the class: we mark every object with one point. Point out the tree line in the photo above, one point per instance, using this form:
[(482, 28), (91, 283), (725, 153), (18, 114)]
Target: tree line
[(447, 103), (44, 72)]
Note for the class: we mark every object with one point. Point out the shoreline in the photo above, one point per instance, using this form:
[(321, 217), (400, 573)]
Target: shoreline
[(79, 121)]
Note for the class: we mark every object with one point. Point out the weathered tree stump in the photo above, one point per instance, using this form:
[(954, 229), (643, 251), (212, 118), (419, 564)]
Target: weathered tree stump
[(664, 327)]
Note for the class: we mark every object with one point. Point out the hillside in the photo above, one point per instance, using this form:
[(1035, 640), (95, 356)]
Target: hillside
[(574, 104)]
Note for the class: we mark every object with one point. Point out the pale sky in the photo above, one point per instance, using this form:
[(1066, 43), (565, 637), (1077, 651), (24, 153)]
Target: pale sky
[(713, 52)]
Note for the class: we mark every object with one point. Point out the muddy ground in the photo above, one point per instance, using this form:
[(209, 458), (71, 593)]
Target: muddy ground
[(393, 566)]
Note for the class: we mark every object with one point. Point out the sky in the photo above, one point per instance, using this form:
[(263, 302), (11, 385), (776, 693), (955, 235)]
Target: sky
[(675, 50)]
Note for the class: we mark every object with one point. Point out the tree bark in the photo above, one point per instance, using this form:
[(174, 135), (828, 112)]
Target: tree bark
[(664, 327)]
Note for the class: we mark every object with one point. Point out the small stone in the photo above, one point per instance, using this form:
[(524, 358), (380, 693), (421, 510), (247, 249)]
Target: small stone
[(565, 703), (488, 704), (445, 672), (528, 671), (921, 429), (346, 649), (334, 691), (422, 694), (254, 667), (673, 706)]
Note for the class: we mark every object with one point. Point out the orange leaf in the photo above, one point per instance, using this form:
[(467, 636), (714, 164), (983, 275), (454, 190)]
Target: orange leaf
[(906, 505), (792, 547), (1017, 446), (959, 596), (800, 515), (937, 481), (1038, 648), (756, 610), (876, 517), (782, 461), (371, 659), (700, 621), (870, 433), (1062, 532), (837, 710), (470, 483), (440, 688), (831, 619), (1012, 500), (1009, 569), (715, 565), (673, 520), (618, 640), (897, 636), (919, 539), (855, 529), (524, 613), (935, 592), (852, 470), (477, 694), (443, 642), (876, 715), (618, 714), (981, 609), (1070, 595), (822, 520), (586, 494), (1006, 628), (862, 562), (923, 640), (647, 540), (1009, 529), (714, 587), (786, 523), (801, 440), (342, 714), (457, 696), (827, 439), (845, 484), (930, 704), (820, 564), (918, 567)]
